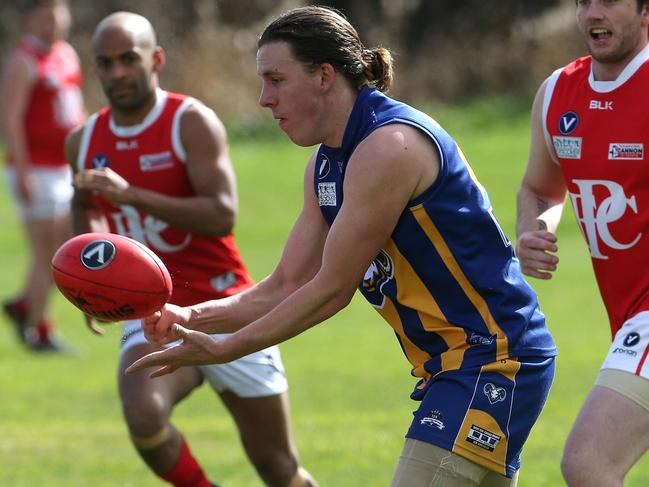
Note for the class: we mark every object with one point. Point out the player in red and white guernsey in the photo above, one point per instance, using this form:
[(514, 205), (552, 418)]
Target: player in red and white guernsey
[(589, 137), (151, 156), (42, 102), (155, 166)]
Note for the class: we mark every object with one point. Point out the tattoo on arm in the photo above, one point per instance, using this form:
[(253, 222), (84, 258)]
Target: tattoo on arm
[(541, 206)]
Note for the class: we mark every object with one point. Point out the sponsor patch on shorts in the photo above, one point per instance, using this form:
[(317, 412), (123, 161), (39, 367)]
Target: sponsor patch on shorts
[(482, 438), (493, 393), (630, 348), (435, 420)]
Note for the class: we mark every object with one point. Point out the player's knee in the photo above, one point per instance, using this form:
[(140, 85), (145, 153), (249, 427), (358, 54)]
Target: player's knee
[(144, 415), (578, 469), (569, 469), (275, 468), (573, 460)]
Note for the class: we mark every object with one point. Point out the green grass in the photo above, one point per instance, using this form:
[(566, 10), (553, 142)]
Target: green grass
[(60, 420)]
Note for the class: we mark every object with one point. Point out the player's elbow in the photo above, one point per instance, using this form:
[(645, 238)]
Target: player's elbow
[(548, 189), (338, 295), (526, 191), (221, 229), (342, 298), (335, 301), (222, 224)]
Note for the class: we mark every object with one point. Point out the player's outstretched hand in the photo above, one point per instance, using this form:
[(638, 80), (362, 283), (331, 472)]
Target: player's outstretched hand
[(158, 328), (196, 348), (535, 251)]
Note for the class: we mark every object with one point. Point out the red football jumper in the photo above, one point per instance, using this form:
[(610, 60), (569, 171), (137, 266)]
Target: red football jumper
[(150, 155), (597, 131), (55, 105)]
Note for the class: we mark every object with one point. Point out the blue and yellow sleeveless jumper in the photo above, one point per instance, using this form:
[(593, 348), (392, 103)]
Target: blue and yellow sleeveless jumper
[(447, 281)]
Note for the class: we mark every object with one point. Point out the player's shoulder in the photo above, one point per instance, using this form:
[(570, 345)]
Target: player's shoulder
[(398, 154), (73, 143), (74, 136), (198, 117), (65, 48), (184, 102), (580, 67), (577, 66), (195, 107), (20, 65), (391, 140)]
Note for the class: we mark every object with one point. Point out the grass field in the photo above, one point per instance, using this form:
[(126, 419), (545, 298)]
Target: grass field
[(60, 420)]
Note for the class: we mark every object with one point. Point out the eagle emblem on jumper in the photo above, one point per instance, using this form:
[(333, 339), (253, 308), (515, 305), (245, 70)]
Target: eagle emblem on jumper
[(378, 274)]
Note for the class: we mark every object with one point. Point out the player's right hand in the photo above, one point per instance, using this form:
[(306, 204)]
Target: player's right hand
[(536, 250), (158, 328), (195, 348), (107, 183)]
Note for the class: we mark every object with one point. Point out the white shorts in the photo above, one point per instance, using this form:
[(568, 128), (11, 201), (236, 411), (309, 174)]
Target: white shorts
[(52, 192), (630, 349), (259, 374)]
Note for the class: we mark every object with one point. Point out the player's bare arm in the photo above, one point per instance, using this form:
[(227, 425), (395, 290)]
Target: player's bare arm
[(540, 202), (300, 261), (213, 210), (17, 84), (395, 157)]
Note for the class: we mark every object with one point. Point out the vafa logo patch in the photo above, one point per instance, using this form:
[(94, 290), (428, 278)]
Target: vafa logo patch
[(568, 122), (98, 254)]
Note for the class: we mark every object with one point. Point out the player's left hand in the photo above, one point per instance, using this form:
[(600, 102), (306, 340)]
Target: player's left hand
[(106, 182), (196, 348)]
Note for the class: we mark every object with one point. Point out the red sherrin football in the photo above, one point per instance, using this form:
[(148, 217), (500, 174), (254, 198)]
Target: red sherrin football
[(111, 277)]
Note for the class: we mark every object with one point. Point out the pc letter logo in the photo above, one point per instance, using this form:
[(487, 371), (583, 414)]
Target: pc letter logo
[(598, 203)]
